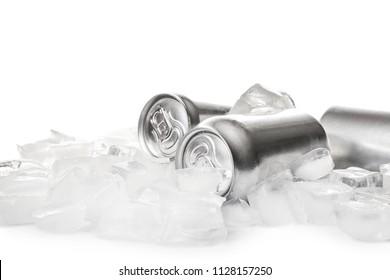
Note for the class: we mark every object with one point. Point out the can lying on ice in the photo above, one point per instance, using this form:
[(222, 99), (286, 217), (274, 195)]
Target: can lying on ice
[(358, 137), (167, 117), (252, 147)]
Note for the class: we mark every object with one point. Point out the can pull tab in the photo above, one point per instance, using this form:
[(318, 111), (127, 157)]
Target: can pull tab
[(204, 154), (166, 130)]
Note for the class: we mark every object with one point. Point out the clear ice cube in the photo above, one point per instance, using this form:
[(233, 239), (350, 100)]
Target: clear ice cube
[(61, 218), (212, 180), (373, 193), (275, 200), (194, 221), (20, 196), (313, 165), (259, 100), (131, 221), (357, 177), (318, 199), (238, 213), (364, 220)]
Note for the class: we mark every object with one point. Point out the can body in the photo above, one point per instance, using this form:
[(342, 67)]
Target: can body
[(253, 147), (166, 118), (357, 137)]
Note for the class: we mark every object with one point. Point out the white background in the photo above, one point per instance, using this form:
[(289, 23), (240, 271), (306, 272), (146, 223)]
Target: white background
[(87, 67)]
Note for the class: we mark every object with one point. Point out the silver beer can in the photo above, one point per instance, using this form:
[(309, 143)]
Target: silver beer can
[(358, 137), (251, 147), (167, 117)]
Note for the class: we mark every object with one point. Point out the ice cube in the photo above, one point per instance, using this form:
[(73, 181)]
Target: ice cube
[(131, 221), (313, 165), (357, 177), (275, 201), (59, 137), (102, 163), (101, 191), (61, 218), (23, 168), (318, 199), (194, 221), (40, 150), (238, 213), (373, 193), (212, 180), (69, 188), (140, 172), (74, 149), (364, 220), (385, 171), (259, 100), (20, 196), (124, 138)]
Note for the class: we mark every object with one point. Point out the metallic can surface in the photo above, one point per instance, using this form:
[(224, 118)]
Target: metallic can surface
[(252, 147), (357, 137), (166, 118)]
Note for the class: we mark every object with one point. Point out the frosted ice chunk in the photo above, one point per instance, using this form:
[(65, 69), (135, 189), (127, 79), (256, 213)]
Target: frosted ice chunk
[(318, 199), (357, 177), (238, 213), (194, 221), (20, 196), (61, 218), (373, 193), (212, 180), (364, 220), (259, 100), (275, 200), (131, 221), (313, 165)]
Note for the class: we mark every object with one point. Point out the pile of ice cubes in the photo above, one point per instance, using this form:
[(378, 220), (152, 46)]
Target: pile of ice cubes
[(111, 188)]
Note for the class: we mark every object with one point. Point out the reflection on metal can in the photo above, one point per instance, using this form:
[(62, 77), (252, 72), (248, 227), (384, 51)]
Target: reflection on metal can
[(166, 118), (357, 137), (252, 147)]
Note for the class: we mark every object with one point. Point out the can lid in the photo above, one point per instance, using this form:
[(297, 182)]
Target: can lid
[(204, 147), (163, 122)]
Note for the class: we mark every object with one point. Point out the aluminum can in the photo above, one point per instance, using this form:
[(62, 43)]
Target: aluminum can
[(167, 117), (358, 137), (252, 147)]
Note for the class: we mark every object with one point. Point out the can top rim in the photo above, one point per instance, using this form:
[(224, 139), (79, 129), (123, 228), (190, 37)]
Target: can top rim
[(150, 145)]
